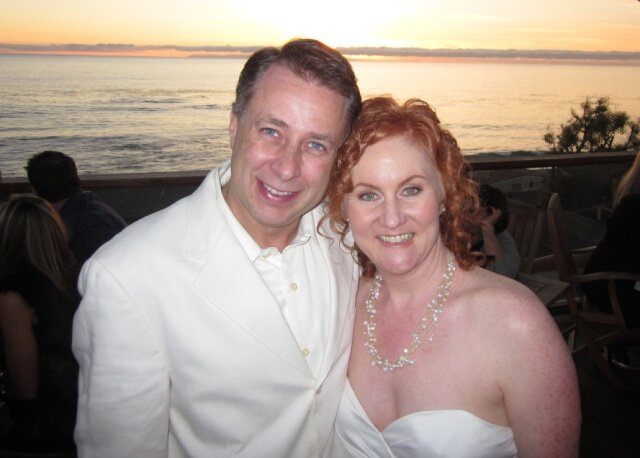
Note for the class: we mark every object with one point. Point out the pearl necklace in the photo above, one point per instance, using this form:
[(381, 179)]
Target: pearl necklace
[(427, 324)]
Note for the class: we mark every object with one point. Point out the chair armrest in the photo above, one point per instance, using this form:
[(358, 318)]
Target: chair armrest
[(581, 256), (585, 278), (543, 264), (586, 250)]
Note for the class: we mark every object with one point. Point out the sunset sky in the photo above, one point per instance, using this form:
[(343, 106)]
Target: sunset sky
[(163, 27)]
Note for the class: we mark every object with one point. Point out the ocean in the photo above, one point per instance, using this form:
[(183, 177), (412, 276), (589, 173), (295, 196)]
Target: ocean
[(135, 114)]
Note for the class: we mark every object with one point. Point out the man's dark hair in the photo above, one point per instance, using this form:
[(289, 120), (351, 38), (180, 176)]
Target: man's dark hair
[(309, 59), (53, 175)]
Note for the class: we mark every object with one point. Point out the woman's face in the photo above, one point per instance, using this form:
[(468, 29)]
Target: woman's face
[(394, 207)]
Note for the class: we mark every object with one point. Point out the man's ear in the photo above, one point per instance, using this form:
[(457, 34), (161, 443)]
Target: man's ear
[(233, 127)]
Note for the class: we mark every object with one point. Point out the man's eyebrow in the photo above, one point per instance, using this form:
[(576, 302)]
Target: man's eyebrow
[(280, 123), (317, 136), (276, 122)]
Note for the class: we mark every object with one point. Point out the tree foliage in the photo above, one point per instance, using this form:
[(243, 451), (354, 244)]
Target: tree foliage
[(595, 129)]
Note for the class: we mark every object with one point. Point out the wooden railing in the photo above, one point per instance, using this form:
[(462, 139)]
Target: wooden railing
[(12, 185), (491, 162), (155, 190)]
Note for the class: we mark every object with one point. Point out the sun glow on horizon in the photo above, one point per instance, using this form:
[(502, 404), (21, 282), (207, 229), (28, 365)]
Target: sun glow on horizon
[(337, 23), (596, 25)]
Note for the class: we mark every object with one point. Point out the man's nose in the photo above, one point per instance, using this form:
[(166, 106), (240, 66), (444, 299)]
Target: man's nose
[(287, 165)]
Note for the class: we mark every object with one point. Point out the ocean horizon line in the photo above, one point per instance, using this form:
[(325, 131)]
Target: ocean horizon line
[(366, 53)]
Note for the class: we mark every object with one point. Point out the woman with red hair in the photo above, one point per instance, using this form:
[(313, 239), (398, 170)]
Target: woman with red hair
[(447, 359)]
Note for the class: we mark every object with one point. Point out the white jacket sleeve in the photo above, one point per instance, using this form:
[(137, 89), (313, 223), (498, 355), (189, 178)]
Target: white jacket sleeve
[(123, 392)]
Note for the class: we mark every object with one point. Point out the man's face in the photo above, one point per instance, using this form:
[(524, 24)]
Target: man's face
[(283, 146)]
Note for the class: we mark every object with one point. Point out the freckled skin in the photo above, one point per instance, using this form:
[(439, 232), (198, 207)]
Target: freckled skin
[(496, 353), (283, 146)]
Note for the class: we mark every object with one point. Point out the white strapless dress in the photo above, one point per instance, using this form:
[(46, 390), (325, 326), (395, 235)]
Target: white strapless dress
[(437, 433)]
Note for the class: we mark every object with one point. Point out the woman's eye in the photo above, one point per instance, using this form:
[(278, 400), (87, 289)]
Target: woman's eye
[(411, 191), (367, 196)]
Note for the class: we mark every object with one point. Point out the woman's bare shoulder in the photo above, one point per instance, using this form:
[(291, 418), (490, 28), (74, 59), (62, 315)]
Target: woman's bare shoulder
[(503, 304), (11, 299), (13, 309), (494, 289)]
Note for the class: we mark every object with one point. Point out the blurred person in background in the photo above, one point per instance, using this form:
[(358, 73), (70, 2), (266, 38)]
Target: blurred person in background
[(629, 183), (37, 303), (619, 251), (90, 222), (496, 243)]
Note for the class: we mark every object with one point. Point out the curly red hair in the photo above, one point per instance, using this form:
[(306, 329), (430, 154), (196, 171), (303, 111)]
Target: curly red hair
[(383, 117)]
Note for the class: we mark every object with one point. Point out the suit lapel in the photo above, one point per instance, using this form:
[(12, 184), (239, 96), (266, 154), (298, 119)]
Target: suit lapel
[(230, 281)]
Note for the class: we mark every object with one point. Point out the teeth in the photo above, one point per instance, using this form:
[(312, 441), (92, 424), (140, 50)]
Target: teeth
[(397, 238), (275, 192)]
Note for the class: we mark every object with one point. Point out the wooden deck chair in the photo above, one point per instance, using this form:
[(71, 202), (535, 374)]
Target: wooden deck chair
[(595, 329), (526, 223)]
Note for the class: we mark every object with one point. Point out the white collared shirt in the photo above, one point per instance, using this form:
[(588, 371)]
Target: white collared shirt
[(290, 275)]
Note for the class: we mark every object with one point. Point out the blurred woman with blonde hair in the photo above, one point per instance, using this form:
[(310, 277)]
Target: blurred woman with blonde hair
[(629, 183), (37, 303)]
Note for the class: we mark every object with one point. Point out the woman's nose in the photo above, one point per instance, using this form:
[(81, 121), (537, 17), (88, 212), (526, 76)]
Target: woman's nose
[(393, 215)]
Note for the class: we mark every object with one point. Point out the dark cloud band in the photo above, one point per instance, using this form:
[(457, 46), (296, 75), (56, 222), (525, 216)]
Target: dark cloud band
[(353, 51)]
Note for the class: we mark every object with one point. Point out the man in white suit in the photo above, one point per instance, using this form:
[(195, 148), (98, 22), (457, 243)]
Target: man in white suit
[(221, 326)]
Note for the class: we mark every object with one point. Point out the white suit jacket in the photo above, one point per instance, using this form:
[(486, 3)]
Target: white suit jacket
[(183, 350)]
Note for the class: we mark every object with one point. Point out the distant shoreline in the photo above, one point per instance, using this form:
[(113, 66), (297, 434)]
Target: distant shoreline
[(477, 60), (385, 54)]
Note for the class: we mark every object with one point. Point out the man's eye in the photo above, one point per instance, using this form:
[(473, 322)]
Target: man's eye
[(411, 191), (269, 131), (368, 196), (317, 146)]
